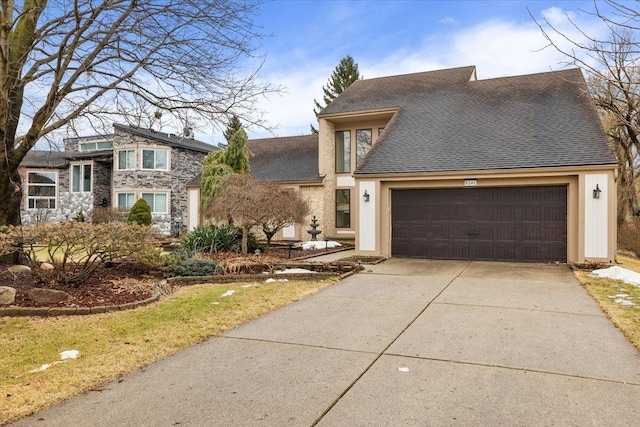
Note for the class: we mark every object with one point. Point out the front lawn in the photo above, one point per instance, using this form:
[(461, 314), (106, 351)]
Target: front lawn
[(607, 291), (114, 344)]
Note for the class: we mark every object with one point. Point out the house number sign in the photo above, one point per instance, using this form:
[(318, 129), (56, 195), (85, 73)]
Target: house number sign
[(470, 182)]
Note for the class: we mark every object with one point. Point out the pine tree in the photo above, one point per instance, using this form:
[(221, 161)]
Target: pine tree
[(237, 153), (232, 127), (343, 76)]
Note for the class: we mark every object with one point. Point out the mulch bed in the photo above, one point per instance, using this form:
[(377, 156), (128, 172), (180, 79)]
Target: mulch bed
[(114, 284), (117, 284)]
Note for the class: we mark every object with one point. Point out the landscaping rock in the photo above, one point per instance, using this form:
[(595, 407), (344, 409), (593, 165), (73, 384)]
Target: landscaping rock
[(15, 269), (46, 266), (7, 295), (48, 296)]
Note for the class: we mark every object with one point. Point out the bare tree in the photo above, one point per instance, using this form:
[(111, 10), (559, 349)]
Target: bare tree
[(611, 64), (62, 62), (253, 203), (236, 199), (281, 208)]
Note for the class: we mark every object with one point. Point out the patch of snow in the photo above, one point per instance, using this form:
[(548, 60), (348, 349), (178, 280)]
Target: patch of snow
[(249, 285), (295, 271), (42, 368), (215, 303), (618, 273), (623, 301), (228, 293), (403, 369), (319, 244), (69, 354), (274, 280)]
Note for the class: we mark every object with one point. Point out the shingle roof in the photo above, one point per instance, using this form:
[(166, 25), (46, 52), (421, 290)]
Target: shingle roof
[(168, 138), (293, 158), (538, 120), (45, 159), (282, 159)]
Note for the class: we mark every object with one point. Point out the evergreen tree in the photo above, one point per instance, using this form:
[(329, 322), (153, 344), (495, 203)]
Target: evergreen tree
[(237, 153), (343, 76), (233, 126)]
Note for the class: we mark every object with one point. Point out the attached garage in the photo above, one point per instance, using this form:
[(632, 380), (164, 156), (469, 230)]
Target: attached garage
[(525, 224)]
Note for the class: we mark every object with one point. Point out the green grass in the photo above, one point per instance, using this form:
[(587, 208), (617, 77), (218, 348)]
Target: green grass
[(625, 318), (114, 344)]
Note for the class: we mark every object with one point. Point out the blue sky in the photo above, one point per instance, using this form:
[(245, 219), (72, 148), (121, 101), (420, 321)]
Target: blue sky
[(305, 40)]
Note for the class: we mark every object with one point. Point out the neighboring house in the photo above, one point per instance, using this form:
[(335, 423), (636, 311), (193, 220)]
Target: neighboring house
[(113, 171), (442, 165)]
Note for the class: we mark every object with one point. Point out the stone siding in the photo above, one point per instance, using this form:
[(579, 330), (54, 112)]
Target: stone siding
[(101, 184), (184, 164)]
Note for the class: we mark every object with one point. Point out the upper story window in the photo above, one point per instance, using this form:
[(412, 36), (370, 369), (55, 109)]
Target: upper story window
[(154, 159), (157, 201), (343, 151), (41, 190), (126, 159), (92, 146), (363, 144), (81, 178)]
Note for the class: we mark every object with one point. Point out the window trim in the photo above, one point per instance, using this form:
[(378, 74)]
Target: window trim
[(81, 187), (55, 186), (357, 142), (125, 192), (155, 160), (155, 193), (126, 167), (336, 211), (347, 163)]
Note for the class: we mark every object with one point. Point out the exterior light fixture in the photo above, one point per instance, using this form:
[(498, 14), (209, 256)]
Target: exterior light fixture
[(366, 196), (596, 192)]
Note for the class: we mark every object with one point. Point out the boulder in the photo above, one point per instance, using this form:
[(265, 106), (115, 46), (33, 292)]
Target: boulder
[(7, 295), (15, 269), (44, 296), (46, 266)]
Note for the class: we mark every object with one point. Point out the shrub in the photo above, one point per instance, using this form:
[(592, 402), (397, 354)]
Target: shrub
[(102, 215), (212, 238), (195, 267), (140, 213), (629, 237), (77, 249)]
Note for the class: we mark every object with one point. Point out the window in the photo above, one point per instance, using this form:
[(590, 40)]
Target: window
[(343, 151), (154, 159), (157, 201), (41, 190), (126, 200), (81, 178), (363, 145), (343, 208), (126, 159), (92, 146)]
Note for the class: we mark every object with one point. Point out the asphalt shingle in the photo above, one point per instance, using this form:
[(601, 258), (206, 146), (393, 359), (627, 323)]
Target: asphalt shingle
[(447, 122)]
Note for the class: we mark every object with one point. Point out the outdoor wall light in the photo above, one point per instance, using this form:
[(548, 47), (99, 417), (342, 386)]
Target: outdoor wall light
[(596, 192), (366, 196)]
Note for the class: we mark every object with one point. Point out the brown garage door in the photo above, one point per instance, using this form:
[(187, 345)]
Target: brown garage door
[(504, 224)]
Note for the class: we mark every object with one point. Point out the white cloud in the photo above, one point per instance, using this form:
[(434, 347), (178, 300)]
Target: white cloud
[(497, 47)]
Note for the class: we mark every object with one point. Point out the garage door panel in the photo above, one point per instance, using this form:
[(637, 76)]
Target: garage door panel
[(508, 224)]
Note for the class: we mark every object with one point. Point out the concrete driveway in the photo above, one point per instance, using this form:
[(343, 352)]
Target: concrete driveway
[(411, 342)]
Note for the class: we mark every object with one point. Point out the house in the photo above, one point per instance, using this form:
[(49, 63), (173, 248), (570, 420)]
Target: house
[(442, 165), (289, 161), (113, 171)]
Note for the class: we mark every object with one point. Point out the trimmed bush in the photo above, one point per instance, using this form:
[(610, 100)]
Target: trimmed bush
[(140, 213), (194, 267)]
